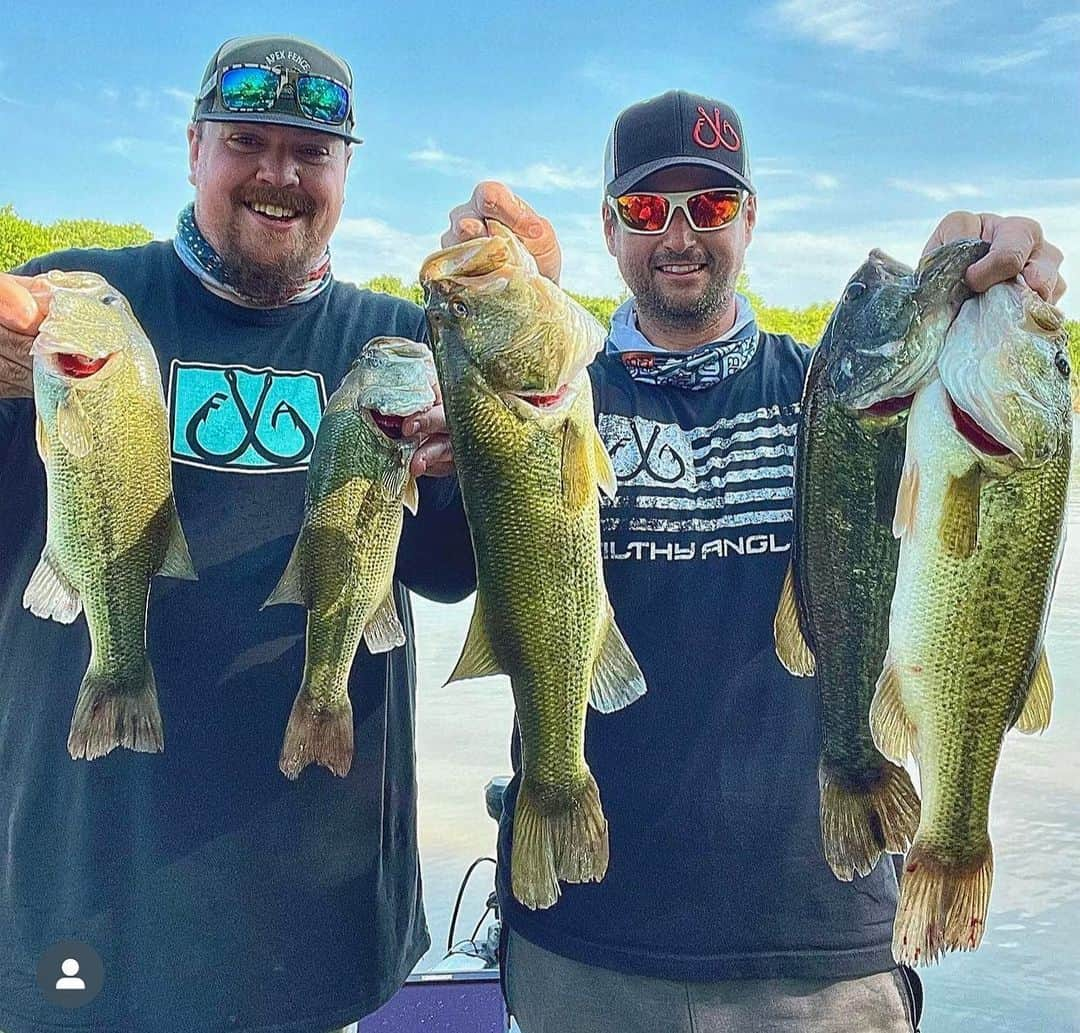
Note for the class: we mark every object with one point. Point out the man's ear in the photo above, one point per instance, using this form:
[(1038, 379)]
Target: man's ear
[(194, 138), (751, 216), (609, 226)]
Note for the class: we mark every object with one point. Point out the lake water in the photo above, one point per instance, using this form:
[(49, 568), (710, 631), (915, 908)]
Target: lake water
[(1026, 974)]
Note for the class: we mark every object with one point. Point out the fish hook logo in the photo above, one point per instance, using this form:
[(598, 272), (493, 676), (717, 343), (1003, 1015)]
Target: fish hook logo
[(712, 131), (268, 432)]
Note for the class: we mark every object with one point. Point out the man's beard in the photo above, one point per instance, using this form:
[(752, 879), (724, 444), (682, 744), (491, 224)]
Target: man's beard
[(269, 283), (687, 313)]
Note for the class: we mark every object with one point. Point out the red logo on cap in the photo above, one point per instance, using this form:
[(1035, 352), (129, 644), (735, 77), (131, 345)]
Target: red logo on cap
[(720, 131)]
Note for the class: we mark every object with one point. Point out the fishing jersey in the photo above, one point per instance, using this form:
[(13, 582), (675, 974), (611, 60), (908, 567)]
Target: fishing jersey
[(709, 781), (219, 895)]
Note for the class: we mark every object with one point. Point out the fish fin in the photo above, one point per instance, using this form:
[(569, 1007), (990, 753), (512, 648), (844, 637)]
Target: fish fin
[(861, 822), (577, 482), (887, 477), (317, 735), (177, 560), (605, 472), (791, 647), (942, 905), (394, 477), (73, 427), (49, 594), (1035, 716), (617, 680), (959, 528), (42, 439), (293, 585), (410, 495), (570, 843), (111, 712), (477, 659), (893, 730), (384, 631), (907, 497)]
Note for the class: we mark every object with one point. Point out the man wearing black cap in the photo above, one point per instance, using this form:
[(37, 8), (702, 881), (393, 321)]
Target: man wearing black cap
[(718, 911), (197, 889)]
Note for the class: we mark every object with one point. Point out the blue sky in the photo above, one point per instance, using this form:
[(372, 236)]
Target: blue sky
[(866, 120)]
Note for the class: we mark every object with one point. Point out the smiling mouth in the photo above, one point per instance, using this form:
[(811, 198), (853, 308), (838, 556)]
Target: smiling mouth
[(272, 211), (681, 269)]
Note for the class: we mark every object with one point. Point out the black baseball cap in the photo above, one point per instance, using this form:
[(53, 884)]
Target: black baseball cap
[(284, 53), (676, 128)]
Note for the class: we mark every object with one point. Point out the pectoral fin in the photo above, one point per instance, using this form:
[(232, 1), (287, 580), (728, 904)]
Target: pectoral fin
[(791, 646), (1035, 717), (293, 586), (477, 659), (410, 495), (907, 497), (73, 426), (959, 527), (394, 477), (177, 561), (50, 594), (617, 680), (891, 727), (577, 477), (384, 631), (42, 439), (605, 472)]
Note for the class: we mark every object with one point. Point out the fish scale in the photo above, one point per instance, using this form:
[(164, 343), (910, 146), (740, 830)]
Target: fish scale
[(112, 521), (529, 472), (965, 639)]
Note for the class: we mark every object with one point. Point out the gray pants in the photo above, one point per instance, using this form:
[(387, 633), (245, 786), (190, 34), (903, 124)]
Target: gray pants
[(551, 994)]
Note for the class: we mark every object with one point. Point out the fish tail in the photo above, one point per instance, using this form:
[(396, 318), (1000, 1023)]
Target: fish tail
[(317, 734), (943, 905), (859, 823), (116, 710), (557, 835)]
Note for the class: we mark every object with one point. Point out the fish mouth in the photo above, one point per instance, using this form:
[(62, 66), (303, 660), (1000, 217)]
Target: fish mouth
[(60, 361), (973, 433), (532, 403), (388, 423), (888, 407)]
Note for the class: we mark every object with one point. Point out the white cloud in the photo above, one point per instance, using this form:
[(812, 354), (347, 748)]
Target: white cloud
[(432, 154), (144, 152), (110, 93), (938, 191), (1060, 25), (990, 65), (824, 181), (364, 247), (185, 97), (540, 176), (969, 98), (866, 25)]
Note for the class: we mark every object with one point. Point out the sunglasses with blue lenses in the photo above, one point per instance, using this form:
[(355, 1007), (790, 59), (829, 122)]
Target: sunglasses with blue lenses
[(246, 87)]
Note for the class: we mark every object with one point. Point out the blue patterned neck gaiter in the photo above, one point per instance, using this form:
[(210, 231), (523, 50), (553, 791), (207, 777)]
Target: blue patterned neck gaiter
[(198, 254), (696, 370)]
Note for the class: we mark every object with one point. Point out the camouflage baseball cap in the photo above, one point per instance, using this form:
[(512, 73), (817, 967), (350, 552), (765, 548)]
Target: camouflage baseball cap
[(282, 80)]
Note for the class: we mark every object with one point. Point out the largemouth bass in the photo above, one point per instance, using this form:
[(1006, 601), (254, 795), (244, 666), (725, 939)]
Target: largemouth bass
[(511, 350), (342, 566), (879, 345), (102, 434), (981, 515)]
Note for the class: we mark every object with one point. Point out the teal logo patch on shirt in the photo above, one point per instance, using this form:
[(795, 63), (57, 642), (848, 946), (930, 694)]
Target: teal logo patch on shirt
[(244, 420)]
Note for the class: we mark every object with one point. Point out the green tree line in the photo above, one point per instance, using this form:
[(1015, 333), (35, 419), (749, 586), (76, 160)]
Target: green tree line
[(21, 239)]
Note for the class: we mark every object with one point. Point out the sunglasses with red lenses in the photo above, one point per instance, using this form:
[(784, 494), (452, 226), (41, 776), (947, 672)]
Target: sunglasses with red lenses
[(651, 212)]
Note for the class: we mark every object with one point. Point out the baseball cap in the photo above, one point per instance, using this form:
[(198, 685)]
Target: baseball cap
[(283, 53), (676, 128)]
